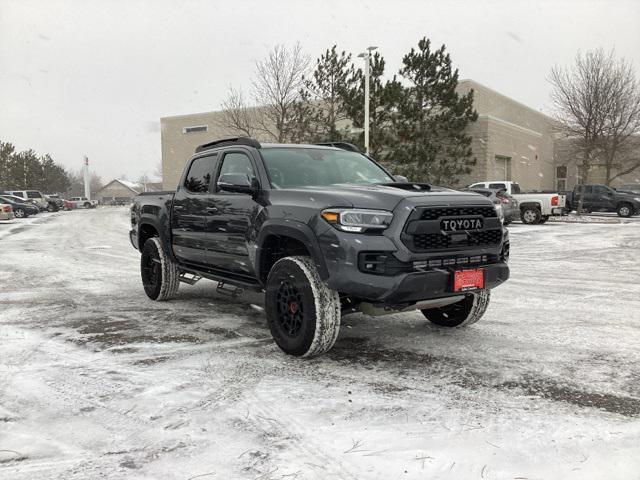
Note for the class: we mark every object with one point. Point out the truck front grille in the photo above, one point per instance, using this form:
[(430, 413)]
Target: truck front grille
[(435, 213), (424, 232), (435, 241)]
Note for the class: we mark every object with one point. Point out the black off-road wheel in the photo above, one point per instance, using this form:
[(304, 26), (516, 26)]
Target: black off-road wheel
[(303, 313), (462, 313), (624, 210), (530, 216), (160, 276)]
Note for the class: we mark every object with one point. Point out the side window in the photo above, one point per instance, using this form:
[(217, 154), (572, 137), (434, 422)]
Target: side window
[(199, 176), (499, 186), (602, 190), (237, 163)]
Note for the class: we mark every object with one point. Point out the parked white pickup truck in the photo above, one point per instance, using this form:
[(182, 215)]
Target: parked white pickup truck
[(535, 207), (83, 202)]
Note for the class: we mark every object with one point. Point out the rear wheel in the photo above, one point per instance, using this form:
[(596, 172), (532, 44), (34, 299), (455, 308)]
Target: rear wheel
[(160, 276), (624, 210), (20, 213), (462, 313), (87, 205), (303, 313), (530, 215)]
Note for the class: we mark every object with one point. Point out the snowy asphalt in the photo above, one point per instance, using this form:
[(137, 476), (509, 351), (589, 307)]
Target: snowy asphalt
[(97, 381)]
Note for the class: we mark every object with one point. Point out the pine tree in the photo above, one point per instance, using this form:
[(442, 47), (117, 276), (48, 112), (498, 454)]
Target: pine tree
[(432, 144)]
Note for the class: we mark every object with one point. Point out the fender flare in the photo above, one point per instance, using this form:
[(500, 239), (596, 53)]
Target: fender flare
[(296, 230), (160, 228)]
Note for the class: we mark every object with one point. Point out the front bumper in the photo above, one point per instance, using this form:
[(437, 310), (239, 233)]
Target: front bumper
[(342, 250)]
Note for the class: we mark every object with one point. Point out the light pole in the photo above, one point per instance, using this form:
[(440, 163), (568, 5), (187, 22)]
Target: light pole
[(367, 64)]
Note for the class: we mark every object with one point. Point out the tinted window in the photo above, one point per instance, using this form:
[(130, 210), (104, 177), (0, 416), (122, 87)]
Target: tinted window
[(515, 188), (299, 167), (499, 186), (237, 163), (33, 194), (601, 190), (199, 176)]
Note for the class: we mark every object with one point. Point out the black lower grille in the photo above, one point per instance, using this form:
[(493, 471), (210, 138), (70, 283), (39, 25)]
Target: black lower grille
[(434, 241)]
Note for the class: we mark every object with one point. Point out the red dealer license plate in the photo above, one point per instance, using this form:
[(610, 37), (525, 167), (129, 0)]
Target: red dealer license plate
[(464, 280)]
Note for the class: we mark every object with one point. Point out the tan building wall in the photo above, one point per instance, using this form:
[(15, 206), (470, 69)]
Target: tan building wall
[(179, 141), (567, 156), (510, 140)]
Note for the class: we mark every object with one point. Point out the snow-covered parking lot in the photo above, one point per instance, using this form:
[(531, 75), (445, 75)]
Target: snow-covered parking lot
[(97, 381)]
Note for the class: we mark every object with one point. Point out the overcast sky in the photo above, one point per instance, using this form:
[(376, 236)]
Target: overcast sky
[(94, 77)]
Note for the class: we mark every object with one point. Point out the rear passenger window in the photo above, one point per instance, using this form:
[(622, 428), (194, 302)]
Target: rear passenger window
[(199, 175), (498, 186)]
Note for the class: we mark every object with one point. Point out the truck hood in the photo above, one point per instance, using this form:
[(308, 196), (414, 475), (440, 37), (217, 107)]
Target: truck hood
[(379, 196)]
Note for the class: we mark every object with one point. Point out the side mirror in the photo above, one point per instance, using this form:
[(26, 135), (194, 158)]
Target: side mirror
[(235, 182), (401, 178)]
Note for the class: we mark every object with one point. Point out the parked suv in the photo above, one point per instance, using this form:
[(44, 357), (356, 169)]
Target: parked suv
[(323, 231), (31, 196), (602, 198)]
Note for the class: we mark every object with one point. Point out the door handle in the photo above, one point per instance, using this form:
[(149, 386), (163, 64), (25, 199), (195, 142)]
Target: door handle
[(212, 210)]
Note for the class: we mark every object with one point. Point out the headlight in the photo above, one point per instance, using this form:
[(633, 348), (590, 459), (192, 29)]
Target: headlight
[(356, 220)]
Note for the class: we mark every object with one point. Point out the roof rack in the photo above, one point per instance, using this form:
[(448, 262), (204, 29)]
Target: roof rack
[(343, 145), (250, 142)]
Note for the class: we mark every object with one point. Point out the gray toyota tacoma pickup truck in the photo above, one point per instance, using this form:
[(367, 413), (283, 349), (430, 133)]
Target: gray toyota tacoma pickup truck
[(324, 231)]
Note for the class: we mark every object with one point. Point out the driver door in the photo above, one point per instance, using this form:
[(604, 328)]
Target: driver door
[(231, 226)]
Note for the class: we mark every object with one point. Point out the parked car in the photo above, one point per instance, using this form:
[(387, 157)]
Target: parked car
[(54, 203), (324, 231), (83, 202), (535, 207), (20, 208), (629, 188), (6, 211), (67, 205), (506, 205), (602, 198), (32, 196)]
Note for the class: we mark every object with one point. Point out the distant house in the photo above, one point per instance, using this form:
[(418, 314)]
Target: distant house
[(122, 191)]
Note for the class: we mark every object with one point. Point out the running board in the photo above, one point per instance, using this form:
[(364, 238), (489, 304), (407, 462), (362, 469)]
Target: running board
[(189, 278)]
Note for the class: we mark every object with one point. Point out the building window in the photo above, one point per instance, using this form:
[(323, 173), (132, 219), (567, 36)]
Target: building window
[(195, 128), (503, 168), (561, 178)]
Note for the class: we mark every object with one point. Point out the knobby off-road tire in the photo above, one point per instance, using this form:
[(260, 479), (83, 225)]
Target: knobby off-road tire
[(462, 313), (303, 313), (530, 216), (160, 276)]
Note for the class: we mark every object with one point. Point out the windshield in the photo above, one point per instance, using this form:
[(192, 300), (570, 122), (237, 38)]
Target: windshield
[(301, 167)]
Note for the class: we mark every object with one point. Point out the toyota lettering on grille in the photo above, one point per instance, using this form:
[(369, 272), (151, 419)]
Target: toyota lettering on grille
[(461, 224)]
